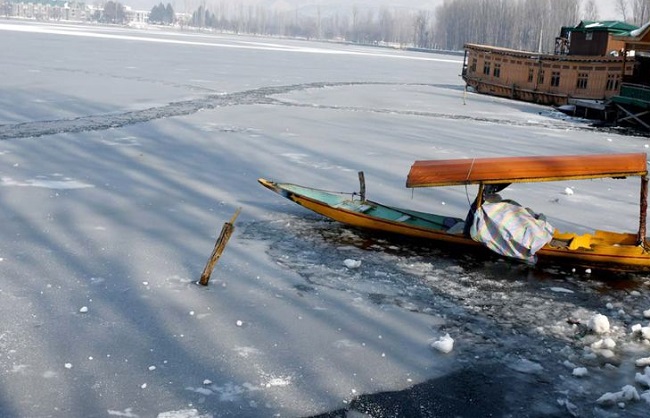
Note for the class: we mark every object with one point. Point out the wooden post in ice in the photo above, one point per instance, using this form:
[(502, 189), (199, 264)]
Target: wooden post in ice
[(362, 186), (219, 246)]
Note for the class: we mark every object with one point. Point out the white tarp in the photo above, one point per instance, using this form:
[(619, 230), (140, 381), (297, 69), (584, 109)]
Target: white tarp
[(509, 229)]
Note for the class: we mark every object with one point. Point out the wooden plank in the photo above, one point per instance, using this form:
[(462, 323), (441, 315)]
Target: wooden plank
[(430, 173)]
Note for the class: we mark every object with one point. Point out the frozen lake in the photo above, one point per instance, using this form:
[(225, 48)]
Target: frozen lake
[(123, 153)]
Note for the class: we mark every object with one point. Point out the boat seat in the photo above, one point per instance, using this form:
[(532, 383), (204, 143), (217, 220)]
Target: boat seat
[(354, 206), (364, 208), (580, 241), (615, 238), (571, 241), (457, 228)]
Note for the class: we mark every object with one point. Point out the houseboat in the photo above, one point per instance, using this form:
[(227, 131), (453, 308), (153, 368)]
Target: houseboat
[(632, 103), (588, 64)]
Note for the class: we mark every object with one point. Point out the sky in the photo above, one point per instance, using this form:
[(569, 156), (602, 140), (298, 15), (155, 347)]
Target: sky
[(123, 154)]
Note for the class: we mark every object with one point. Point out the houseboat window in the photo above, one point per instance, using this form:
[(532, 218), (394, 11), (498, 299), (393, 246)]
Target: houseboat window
[(582, 80), (589, 36), (497, 70), (486, 68), (540, 77), (555, 79), (612, 81), (473, 67), (531, 74)]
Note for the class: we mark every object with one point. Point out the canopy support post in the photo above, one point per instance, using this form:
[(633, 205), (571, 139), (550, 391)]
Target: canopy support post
[(479, 196), (643, 210)]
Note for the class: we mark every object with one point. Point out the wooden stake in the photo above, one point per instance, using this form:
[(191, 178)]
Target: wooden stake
[(219, 246), (362, 186)]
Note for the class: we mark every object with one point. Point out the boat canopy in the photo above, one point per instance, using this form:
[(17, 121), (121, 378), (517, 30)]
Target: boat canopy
[(432, 173)]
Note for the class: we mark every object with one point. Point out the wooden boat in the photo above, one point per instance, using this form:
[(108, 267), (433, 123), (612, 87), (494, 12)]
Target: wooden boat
[(600, 249)]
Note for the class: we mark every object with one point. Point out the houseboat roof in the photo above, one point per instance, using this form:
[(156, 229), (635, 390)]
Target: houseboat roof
[(431, 173), (615, 27), (636, 35), (541, 56)]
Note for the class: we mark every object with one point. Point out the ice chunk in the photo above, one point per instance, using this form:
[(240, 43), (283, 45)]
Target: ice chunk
[(627, 393), (526, 366), (444, 344), (580, 372), (642, 362), (643, 378), (83, 309), (599, 324), (606, 343), (607, 353), (560, 290), (570, 407), (183, 413), (646, 396), (352, 264), (645, 332), (568, 191)]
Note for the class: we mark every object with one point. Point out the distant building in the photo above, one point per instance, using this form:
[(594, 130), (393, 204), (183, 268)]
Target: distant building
[(47, 10), (138, 17), (68, 10)]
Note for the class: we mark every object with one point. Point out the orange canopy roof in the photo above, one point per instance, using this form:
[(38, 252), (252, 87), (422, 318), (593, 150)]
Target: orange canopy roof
[(429, 173)]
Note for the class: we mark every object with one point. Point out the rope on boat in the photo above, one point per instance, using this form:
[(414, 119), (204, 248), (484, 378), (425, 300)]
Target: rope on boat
[(469, 172)]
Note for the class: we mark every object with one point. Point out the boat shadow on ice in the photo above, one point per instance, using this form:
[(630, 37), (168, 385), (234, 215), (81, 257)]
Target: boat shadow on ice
[(481, 391)]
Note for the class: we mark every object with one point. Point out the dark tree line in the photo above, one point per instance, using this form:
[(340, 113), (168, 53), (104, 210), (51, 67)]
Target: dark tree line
[(162, 15), (518, 24)]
